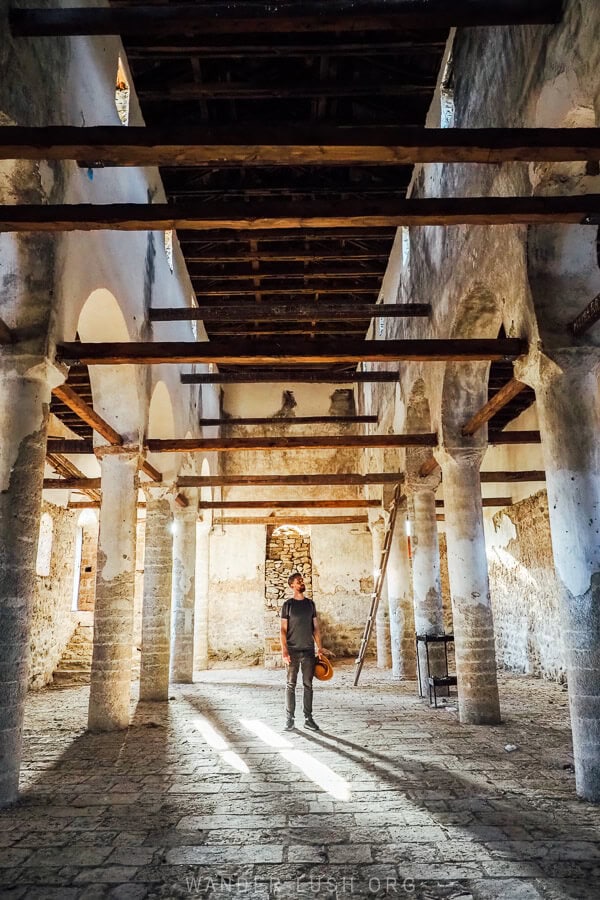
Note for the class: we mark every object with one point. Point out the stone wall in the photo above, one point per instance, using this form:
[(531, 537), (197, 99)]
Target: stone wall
[(288, 550), (525, 591), (236, 592), (52, 623), (86, 596)]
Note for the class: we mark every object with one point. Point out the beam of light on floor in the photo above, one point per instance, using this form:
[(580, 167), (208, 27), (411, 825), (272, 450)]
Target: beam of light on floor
[(316, 771), (218, 742)]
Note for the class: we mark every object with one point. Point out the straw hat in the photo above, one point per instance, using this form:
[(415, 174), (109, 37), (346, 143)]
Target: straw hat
[(323, 669)]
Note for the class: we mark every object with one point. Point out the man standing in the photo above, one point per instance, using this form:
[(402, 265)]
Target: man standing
[(299, 634)]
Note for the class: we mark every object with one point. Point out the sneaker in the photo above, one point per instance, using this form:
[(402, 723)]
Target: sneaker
[(311, 724), (289, 724)]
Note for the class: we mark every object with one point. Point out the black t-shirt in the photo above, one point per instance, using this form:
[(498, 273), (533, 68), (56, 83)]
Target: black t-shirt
[(299, 615)]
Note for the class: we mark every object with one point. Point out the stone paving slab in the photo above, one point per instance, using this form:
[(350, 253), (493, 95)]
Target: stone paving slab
[(390, 800)]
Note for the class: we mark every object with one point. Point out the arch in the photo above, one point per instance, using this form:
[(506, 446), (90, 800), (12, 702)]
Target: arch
[(562, 260), (161, 426), (116, 389), (465, 384)]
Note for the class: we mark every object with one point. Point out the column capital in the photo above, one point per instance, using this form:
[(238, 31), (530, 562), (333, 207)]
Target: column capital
[(128, 451), (541, 367), (465, 457), (31, 367), (156, 490), (416, 484)]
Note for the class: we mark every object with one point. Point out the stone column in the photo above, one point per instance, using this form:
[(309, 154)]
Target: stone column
[(474, 645), (184, 593), (202, 588), (427, 591), (110, 686), (24, 403), (400, 601), (156, 611), (567, 400), (381, 623)]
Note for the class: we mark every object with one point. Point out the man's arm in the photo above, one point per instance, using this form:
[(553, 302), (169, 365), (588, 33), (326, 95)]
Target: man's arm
[(285, 655), (317, 636)]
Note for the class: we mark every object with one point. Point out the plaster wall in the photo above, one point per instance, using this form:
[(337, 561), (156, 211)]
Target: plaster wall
[(52, 621), (525, 591), (237, 591), (342, 584)]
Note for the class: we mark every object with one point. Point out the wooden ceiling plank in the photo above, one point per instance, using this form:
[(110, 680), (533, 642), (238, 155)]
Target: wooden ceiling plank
[(290, 519), (290, 504), (280, 312), (261, 18), (301, 442), (335, 478), (290, 420), (579, 209), (239, 352), (500, 399), (298, 376), (321, 145)]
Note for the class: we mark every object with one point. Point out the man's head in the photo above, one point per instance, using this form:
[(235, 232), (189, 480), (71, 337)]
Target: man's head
[(296, 582)]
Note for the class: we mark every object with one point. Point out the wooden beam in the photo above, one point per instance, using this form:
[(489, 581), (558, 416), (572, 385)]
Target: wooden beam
[(512, 477), (211, 256), (150, 471), (67, 447), (69, 470), (485, 502), (500, 399), (306, 480), (269, 353), (286, 236), (260, 49), (290, 504), (292, 420), (580, 209), (260, 18), (513, 437), (301, 330), (291, 376), (333, 288), (588, 317), (302, 442), (72, 484), (182, 501), (429, 466), (112, 145), (232, 90), (280, 312), (85, 412), (291, 519)]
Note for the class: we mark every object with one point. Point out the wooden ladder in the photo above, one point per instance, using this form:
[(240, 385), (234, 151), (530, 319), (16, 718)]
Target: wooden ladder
[(376, 595)]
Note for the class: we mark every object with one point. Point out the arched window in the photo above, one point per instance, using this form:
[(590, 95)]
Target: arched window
[(122, 94), (44, 554)]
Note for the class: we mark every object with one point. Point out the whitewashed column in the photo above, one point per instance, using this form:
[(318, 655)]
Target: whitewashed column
[(427, 590), (567, 401), (156, 610), (474, 645), (184, 593), (400, 601), (24, 404), (202, 594), (115, 588)]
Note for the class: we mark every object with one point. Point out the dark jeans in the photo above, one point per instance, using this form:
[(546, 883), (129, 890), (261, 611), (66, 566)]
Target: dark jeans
[(306, 660)]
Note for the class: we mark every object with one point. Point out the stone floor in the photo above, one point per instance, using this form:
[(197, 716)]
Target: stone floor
[(207, 796)]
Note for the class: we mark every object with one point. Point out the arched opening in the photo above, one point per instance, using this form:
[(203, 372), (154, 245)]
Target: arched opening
[(122, 94), (86, 554), (45, 540), (116, 389), (287, 551)]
